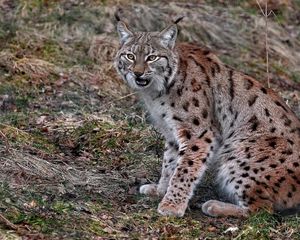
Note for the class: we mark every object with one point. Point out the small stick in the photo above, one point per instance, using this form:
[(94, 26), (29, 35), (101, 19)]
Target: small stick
[(8, 223), (266, 14), (7, 146)]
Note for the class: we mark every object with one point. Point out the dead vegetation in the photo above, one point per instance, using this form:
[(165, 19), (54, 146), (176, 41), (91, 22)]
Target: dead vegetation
[(75, 144)]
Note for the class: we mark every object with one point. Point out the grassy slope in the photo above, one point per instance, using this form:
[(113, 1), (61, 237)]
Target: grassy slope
[(75, 144)]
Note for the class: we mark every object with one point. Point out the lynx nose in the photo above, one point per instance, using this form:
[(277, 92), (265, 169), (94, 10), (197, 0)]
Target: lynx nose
[(138, 74)]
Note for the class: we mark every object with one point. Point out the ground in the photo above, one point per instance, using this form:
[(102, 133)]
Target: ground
[(75, 143)]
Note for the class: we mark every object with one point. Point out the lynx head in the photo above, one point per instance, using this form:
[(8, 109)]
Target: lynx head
[(147, 61)]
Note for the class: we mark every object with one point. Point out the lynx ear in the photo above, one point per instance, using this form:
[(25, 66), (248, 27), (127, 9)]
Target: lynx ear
[(123, 32), (168, 36)]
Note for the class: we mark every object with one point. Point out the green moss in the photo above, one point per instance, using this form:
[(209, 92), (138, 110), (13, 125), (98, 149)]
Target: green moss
[(61, 207), (259, 226), (295, 77), (95, 227), (16, 120)]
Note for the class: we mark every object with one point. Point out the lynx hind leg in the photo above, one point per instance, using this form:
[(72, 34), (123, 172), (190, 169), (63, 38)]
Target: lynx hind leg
[(216, 208), (168, 167)]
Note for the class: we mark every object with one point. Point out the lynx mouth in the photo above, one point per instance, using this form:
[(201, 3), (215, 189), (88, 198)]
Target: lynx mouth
[(142, 82)]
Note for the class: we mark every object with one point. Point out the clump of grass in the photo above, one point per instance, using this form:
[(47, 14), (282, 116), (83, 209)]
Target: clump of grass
[(262, 225), (113, 142)]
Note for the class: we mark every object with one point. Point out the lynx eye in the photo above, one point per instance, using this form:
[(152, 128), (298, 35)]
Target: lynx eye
[(130, 56), (152, 58)]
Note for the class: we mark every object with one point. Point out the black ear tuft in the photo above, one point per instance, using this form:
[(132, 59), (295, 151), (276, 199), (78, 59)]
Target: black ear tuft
[(117, 14), (178, 19)]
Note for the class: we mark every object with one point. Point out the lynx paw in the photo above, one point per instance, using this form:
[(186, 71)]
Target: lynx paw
[(168, 208), (209, 207), (216, 208)]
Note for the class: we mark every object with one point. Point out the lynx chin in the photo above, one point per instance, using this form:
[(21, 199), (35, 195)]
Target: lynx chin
[(212, 116)]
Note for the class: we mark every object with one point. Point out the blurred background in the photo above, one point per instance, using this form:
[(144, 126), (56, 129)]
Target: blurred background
[(75, 143)]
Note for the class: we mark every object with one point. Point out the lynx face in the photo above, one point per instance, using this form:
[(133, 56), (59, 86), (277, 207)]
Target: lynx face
[(145, 60)]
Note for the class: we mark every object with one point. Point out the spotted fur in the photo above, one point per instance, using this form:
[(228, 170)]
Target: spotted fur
[(212, 115)]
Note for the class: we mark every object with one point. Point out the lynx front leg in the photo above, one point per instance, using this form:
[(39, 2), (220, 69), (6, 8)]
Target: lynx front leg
[(168, 167), (190, 168)]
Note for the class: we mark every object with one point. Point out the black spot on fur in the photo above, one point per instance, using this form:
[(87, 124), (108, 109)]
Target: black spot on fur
[(196, 121), (281, 180), (177, 118), (231, 134), (243, 164), (204, 113), (273, 129), (248, 84), (267, 112), (252, 100), (281, 160), (185, 106), (287, 121), (207, 80), (268, 177), (244, 175), (264, 90), (272, 144), (231, 85), (287, 152), (280, 105), (195, 148), (295, 164), (208, 140), (254, 123), (179, 91), (262, 159), (247, 168), (190, 162), (187, 134), (202, 134), (195, 102)]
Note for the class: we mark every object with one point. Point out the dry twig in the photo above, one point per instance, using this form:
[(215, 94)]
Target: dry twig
[(7, 145), (266, 14), (8, 223)]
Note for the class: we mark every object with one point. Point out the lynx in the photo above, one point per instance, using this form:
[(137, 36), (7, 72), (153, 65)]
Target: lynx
[(212, 116)]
